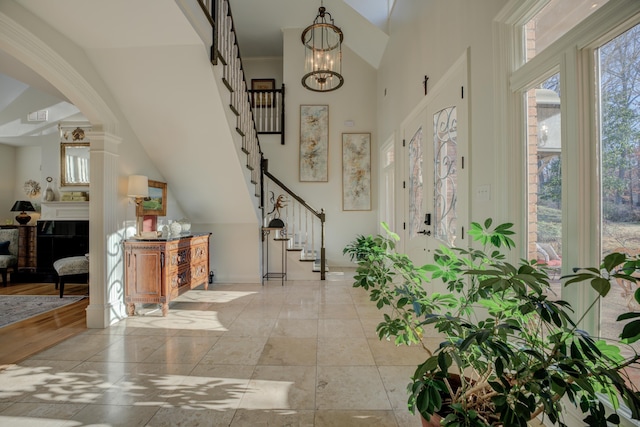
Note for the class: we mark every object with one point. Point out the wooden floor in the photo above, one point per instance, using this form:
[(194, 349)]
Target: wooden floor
[(23, 339)]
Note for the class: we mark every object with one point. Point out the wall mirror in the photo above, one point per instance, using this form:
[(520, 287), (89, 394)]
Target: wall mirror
[(74, 164)]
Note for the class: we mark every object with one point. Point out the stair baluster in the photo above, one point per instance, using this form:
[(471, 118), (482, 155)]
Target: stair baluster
[(251, 122)]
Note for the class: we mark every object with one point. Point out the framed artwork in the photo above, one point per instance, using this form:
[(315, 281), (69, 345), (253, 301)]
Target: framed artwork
[(156, 203), (314, 143), (264, 99), (356, 171)]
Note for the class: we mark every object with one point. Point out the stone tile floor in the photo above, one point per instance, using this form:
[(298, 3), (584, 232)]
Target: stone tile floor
[(302, 354)]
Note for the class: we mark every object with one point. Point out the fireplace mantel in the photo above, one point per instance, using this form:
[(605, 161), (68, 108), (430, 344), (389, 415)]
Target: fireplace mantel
[(64, 211)]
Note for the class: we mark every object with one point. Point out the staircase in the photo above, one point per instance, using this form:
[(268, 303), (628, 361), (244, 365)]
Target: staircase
[(304, 225)]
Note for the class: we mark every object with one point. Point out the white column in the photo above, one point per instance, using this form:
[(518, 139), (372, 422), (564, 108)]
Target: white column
[(106, 284)]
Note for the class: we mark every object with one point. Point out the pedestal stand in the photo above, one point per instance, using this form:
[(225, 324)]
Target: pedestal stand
[(282, 275)]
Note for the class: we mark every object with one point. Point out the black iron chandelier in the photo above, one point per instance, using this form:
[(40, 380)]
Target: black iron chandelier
[(322, 42)]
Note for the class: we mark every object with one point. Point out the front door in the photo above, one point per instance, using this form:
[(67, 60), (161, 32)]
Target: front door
[(436, 185)]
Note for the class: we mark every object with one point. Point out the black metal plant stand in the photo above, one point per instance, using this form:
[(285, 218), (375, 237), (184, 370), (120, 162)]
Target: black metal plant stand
[(282, 275)]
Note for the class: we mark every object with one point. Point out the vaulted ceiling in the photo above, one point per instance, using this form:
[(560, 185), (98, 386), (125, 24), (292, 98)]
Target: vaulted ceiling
[(259, 26), (157, 76)]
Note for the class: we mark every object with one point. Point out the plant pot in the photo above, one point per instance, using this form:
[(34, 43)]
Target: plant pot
[(455, 383), (433, 422)]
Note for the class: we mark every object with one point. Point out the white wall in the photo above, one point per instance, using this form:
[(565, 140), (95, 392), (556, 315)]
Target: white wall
[(7, 182), (263, 68), (230, 258), (426, 38), (39, 158), (354, 101), (26, 169)]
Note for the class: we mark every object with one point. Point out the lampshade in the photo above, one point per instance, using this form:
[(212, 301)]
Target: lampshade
[(276, 223), (23, 206), (322, 42), (138, 186)]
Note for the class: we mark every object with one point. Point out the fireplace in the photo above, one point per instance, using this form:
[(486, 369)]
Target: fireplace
[(60, 239)]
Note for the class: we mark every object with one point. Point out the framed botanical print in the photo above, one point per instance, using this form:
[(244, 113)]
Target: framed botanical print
[(314, 143), (263, 84), (156, 203), (356, 171)]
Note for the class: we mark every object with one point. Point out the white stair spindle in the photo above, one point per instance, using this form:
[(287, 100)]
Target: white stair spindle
[(293, 224), (306, 232), (313, 244), (286, 215)]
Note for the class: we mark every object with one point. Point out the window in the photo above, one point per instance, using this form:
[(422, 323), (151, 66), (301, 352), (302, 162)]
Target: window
[(554, 20), (544, 176), (618, 64), (387, 184), (445, 180), (575, 111), (416, 190)]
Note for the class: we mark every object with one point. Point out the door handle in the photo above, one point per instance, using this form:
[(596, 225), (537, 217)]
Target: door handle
[(425, 232)]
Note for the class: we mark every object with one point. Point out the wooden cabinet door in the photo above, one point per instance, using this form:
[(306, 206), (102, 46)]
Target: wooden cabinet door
[(144, 275)]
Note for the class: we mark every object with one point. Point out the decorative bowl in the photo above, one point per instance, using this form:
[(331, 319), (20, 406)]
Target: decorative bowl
[(175, 228)]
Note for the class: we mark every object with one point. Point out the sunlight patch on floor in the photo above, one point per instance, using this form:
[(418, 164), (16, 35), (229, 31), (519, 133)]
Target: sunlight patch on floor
[(178, 319), (213, 296)]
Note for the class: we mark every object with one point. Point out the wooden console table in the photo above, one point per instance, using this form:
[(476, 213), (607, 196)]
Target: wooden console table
[(158, 270)]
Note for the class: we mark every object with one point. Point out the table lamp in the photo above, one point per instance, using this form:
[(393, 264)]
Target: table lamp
[(23, 206), (139, 190)]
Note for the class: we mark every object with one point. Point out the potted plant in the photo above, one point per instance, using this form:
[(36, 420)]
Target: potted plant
[(509, 352)]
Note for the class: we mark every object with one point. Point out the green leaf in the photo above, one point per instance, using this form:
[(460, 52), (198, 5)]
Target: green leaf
[(613, 260), (602, 286), (391, 234), (430, 267), (614, 419), (631, 332), (499, 365), (557, 380), (578, 278), (611, 351), (540, 374), (444, 361), (429, 365), (626, 316)]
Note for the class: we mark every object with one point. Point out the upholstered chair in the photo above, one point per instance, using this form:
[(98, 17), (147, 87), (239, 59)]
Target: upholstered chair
[(8, 255), (67, 268)]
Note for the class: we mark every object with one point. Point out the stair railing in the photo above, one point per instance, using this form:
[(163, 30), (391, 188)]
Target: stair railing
[(225, 51), (268, 111), (304, 224)]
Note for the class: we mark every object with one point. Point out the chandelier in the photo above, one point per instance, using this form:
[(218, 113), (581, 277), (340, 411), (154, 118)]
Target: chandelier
[(322, 42)]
